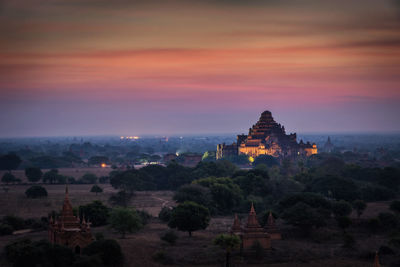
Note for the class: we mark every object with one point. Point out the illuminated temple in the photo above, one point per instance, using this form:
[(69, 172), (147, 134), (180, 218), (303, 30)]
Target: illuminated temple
[(267, 137)]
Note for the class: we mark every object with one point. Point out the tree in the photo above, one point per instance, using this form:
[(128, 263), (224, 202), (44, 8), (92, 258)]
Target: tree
[(96, 212), (225, 193), (50, 176), (9, 162), (359, 206), (33, 174), (335, 187), (36, 191), (343, 222), (189, 216), (341, 208), (304, 217), (9, 178), (125, 221), (96, 189), (195, 193), (121, 198), (267, 160), (89, 178), (228, 243), (165, 214)]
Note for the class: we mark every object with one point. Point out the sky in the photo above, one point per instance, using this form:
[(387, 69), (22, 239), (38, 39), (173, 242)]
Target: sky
[(100, 67)]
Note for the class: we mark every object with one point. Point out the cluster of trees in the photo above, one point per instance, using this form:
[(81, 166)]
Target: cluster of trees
[(25, 252)]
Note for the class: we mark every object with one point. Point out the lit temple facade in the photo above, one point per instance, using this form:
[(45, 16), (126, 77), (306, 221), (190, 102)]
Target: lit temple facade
[(267, 137), (68, 230)]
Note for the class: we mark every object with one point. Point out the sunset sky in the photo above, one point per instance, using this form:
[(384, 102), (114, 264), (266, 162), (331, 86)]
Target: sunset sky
[(97, 67)]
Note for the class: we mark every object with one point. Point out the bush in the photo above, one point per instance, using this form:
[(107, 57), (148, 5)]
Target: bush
[(15, 222), (144, 216), (165, 214), (39, 253), (5, 229), (373, 225), (36, 191), (108, 250), (348, 241), (162, 257), (99, 236), (341, 208), (170, 237), (121, 198)]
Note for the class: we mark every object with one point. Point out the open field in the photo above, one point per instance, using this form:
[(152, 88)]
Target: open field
[(14, 202)]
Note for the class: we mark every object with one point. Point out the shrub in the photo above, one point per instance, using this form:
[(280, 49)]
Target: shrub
[(39, 253), (144, 216), (388, 220), (5, 229), (162, 257), (348, 241), (15, 222), (108, 250), (165, 214), (374, 224), (36, 191), (99, 236), (341, 208), (170, 237)]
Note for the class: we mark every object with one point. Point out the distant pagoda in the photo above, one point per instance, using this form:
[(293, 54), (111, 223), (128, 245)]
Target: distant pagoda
[(267, 137), (68, 230)]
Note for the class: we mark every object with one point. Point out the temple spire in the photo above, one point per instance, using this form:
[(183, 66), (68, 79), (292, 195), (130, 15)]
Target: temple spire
[(376, 262)]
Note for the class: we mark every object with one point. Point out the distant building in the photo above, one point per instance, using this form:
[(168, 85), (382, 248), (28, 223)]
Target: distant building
[(267, 137), (68, 230), (328, 146)]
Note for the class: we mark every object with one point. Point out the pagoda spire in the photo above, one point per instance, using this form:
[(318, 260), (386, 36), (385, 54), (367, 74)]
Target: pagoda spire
[(236, 225), (376, 262), (252, 221)]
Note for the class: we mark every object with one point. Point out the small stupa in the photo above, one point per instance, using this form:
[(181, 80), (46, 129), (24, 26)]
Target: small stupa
[(271, 228)]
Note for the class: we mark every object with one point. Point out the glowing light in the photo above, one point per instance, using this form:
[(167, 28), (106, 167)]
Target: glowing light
[(122, 137), (103, 165), (136, 137), (251, 159), (177, 153)]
